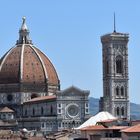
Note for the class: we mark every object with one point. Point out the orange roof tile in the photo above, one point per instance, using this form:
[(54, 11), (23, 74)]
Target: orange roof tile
[(6, 109), (132, 129), (101, 128), (94, 128), (117, 127), (42, 98)]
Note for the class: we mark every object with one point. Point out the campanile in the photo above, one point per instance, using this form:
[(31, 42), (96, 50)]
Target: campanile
[(115, 75)]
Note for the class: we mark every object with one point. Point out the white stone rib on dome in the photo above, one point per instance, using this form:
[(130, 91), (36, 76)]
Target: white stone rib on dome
[(21, 62), (42, 63), (6, 57), (101, 116)]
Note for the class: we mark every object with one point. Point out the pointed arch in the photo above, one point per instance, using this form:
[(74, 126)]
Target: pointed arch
[(122, 111), (119, 64), (117, 91), (118, 111), (122, 91)]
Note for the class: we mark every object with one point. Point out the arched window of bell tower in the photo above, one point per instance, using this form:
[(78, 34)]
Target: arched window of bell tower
[(118, 111), (117, 91), (122, 111), (119, 65), (122, 91)]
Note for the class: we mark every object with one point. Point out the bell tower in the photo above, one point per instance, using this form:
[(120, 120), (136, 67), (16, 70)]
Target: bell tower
[(115, 74)]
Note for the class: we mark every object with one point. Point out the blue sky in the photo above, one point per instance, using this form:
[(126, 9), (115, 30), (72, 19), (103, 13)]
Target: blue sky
[(68, 32)]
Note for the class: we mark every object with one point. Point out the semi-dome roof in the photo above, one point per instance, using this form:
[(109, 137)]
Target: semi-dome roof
[(24, 63)]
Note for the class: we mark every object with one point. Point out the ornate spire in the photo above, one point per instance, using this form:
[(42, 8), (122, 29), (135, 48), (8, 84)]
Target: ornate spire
[(114, 23), (24, 34)]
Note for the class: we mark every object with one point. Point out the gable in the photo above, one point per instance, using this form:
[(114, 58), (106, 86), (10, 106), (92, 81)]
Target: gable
[(73, 91)]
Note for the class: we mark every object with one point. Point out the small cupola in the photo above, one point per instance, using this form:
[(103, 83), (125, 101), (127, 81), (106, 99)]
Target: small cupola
[(24, 34)]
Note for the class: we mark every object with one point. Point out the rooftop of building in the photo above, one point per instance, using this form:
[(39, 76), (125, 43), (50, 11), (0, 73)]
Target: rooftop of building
[(132, 129), (40, 99), (6, 110), (115, 34), (102, 128)]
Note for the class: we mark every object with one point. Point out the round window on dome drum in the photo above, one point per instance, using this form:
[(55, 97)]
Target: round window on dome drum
[(9, 97)]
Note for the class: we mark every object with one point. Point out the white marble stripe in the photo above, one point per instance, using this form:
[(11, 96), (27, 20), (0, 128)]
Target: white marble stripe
[(21, 62), (6, 57), (42, 63)]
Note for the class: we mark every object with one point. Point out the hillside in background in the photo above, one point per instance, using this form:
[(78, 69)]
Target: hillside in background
[(134, 108)]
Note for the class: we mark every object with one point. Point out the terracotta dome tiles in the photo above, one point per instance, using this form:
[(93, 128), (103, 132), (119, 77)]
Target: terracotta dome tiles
[(26, 68), (27, 64), (52, 75), (10, 67), (32, 68)]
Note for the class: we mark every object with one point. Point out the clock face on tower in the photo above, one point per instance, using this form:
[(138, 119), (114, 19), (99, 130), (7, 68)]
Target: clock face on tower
[(72, 110)]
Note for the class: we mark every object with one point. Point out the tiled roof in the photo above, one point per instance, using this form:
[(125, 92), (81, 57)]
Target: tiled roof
[(94, 128), (117, 127), (103, 115), (42, 98), (116, 34), (132, 129), (101, 128), (6, 109)]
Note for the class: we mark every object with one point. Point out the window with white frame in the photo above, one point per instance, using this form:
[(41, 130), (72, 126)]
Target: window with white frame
[(59, 111), (59, 105), (59, 108), (86, 105), (86, 108)]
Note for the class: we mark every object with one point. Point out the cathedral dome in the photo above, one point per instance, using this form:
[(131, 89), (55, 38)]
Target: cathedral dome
[(26, 64)]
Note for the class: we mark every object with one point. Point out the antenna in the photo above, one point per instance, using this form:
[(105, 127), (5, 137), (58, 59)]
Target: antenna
[(114, 23)]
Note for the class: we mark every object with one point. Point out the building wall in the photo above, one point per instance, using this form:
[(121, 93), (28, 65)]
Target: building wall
[(102, 134), (130, 136), (72, 108), (69, 109), (40, 115), (88, 134), (46, 108)]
